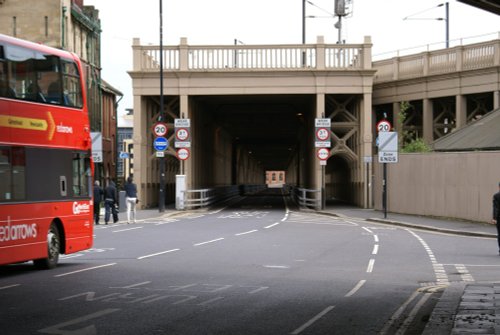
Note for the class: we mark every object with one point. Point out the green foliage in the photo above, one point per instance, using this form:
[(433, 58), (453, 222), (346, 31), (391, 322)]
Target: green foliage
[(407, 141), (416, 145)]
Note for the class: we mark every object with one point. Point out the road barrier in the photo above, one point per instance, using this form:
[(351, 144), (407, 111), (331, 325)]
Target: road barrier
[(307, 197)]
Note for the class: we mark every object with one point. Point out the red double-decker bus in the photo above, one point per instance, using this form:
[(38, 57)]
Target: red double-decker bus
[(45, 155)]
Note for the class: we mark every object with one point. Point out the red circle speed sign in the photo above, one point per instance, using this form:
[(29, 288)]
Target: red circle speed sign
[(383, 126), (182, 134), (160, 129), (322, 134), (323, 154), (183, 154)]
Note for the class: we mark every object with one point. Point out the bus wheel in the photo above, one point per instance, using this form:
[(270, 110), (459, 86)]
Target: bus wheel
[(53, 245)]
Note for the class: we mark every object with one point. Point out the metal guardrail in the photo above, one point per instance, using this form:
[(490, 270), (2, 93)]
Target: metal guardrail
[(307, 197), (208, 196)]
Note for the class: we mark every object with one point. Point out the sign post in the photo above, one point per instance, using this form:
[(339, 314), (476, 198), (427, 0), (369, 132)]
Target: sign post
[(322, 141), (387, 153)]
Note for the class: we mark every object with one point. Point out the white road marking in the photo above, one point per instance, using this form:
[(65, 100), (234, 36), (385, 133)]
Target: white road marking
[(87, 269), (368, 230), (207, 242), (274, 224), (375, 249), (312, 321), (263, 288), (375, 237), (132, 286), (166, 221), (121, 230), (277, 266), (464, 273), (158, 253), (439, 271), (371, 263), (247, 232), (210, 301), (356, 288), (9, 286), (88, 330)]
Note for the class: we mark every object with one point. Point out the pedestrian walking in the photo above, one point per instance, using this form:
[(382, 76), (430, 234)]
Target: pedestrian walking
[(131, 199), (110, 202), (496, 214), (98, 194)]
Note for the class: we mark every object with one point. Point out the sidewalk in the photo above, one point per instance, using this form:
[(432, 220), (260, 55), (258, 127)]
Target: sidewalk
[(472, 308)]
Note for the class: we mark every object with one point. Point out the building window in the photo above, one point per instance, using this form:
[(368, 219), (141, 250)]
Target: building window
[(14, 26)]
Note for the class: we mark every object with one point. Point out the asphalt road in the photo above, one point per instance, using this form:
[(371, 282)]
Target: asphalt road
[(258, 266)]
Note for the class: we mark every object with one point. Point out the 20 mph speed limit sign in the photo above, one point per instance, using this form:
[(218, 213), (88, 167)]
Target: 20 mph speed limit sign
[(384, 126), (160, 129)]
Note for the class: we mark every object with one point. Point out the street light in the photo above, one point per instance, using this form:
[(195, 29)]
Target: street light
[(446, 19)]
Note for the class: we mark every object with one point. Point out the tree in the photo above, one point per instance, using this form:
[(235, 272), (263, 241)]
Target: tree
[(408, 141)]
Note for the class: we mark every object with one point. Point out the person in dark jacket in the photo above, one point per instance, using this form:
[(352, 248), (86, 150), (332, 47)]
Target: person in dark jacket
[(98, 193), (110, 202), (496, 214), (130, 199)]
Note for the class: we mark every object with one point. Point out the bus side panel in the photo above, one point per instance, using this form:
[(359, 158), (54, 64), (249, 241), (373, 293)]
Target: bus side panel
[(78, 225), (22, 237), (24, 228)]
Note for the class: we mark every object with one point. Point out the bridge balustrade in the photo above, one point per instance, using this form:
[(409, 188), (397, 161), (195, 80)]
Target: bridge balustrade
[(252, 57), (456, 59)]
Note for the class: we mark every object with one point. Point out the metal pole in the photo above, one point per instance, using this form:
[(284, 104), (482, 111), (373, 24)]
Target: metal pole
[(304, 31), (384, 191), (303, 21), (161, 196), (447, 8)]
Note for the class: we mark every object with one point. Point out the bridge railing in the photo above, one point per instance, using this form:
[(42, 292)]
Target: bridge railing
[(307, 198), (456, 59), (208, 196), (317, 56)]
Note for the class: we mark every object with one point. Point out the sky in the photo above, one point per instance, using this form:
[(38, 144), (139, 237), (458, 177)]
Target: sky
[(256, 22)]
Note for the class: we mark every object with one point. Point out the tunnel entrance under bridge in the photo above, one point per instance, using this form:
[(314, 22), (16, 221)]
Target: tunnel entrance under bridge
[(247, 121), (236, 139)]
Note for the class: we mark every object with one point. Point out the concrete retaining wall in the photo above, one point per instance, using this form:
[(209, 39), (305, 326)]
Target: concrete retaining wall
[(455, 185)]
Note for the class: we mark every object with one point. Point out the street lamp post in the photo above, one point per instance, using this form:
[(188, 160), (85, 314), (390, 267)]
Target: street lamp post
[(161, 196)]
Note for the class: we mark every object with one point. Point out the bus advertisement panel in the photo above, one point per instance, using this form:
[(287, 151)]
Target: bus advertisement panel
[(45, 155)]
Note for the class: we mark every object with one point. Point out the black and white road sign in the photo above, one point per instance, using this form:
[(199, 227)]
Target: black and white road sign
[(388, 147), (322, 131), (182, 133)]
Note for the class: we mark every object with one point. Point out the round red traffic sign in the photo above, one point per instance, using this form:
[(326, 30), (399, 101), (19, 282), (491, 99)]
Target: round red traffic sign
[(322, 134), (160, 129), (323, 154), (183, 154), (181, 134), (383, 126)]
